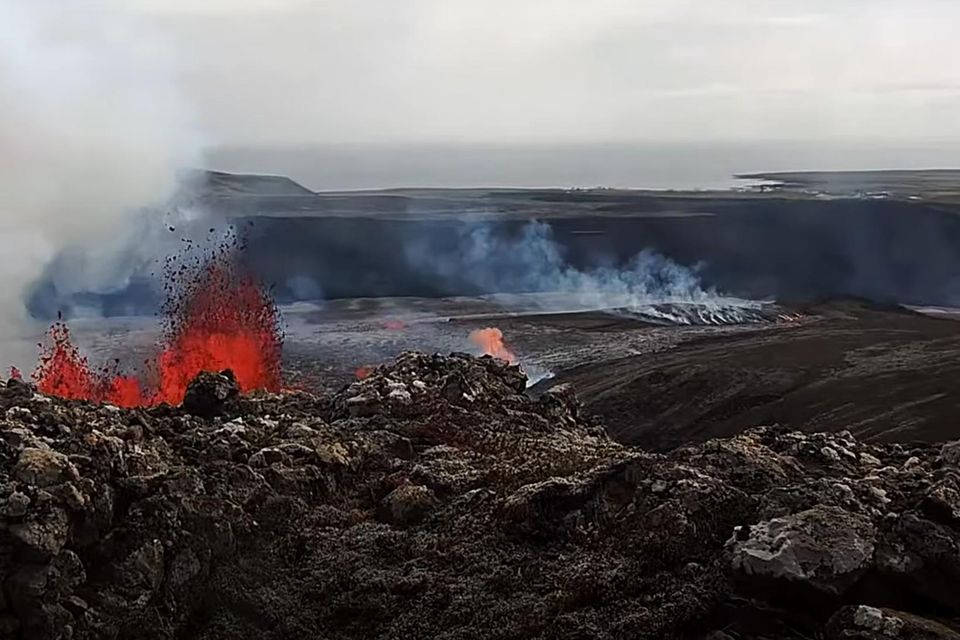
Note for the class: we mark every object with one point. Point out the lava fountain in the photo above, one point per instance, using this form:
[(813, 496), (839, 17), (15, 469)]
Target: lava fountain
[(216, 317), (490, 341)]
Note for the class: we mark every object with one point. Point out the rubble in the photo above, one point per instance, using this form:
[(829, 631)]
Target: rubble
[(435, 498), (827, 548), (869, 623), (211, 394)]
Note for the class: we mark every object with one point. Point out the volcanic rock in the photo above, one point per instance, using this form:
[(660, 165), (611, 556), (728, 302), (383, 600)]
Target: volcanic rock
[(950, 453), (826, 548), (870, 623), (211, 394), (408, 504), (456, 506), (43, 467)]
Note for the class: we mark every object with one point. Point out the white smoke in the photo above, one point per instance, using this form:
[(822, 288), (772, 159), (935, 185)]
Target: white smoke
[(532, 262), (92, 128)]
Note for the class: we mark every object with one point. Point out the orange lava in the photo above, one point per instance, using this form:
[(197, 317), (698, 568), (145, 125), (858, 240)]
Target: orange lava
[(363, 372), (226, 321), (217, 318), (490, 341), (63, 371)]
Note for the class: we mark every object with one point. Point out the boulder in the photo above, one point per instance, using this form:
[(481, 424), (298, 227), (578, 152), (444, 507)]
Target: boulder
[(43, 468), (408, 504), (871, 623), (950, 454), (211, 394), (824, 548), (44, 534)]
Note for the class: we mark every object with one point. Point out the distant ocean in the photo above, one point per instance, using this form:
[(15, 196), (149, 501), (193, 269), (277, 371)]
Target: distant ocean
[(677, 166)]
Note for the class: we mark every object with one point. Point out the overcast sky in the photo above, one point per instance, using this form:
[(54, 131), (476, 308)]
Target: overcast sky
[(295, 72)]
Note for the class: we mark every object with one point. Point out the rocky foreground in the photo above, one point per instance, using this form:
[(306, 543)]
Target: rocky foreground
[(435, 499)]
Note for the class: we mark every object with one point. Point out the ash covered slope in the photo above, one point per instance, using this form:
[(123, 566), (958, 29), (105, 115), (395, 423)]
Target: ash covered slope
[(436, 499), (884, 373)]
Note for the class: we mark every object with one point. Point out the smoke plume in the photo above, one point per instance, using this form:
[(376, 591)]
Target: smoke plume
[(92, 129), (533, 262)]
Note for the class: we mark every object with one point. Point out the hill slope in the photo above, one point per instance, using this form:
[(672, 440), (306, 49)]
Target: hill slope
[(886, 374), (434, 499)]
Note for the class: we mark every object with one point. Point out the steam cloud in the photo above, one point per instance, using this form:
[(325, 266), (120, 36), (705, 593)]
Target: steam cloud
[(533, 262), (91, 129)]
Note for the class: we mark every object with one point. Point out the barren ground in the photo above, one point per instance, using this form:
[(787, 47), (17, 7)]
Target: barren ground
[(885, 373)]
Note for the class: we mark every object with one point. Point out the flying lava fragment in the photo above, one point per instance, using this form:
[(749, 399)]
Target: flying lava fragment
[(216, 317)]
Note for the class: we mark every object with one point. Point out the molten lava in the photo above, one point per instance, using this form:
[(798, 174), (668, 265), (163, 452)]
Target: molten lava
[(216, 318), (363, 372), (63, 371), (490, 341), (225, 321)]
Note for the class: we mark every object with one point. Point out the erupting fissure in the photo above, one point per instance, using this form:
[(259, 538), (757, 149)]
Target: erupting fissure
[(216, 317), (490, 341)]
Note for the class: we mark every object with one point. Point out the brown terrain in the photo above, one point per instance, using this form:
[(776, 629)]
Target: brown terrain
[(435, 499), (885, 373)]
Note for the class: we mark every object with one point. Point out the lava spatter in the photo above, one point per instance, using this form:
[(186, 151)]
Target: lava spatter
[(63, 371), (222, 320), (216, 317)]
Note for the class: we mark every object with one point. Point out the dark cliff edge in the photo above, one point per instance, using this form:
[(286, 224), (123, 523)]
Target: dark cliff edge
[(757, 245)]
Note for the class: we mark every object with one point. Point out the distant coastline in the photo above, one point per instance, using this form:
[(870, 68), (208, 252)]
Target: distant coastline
[(692, 166)]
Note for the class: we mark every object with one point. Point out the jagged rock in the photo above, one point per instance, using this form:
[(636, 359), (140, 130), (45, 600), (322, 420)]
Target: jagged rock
[(17, 388), (826, 548), (923, 557), (44, 534), (950, 453), (408, 504), (871, 623), (536, 507), (143, 570), (15, 505), (211, 394), (43, 467), (561, 402), (185, 567), (66, 574), (362, 405), (69, 496), (266, 457), (942, 502), (300, 430), (470, 511)]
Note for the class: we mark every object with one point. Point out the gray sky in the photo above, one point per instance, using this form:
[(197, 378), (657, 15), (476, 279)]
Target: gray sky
[(301, 72)]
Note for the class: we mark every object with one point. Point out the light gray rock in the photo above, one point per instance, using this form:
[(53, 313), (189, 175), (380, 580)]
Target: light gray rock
[(824, 547), (950, 453)]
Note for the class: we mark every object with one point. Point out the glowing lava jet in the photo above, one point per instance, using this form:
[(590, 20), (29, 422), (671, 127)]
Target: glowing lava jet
[(217, 317), (490, 341)]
